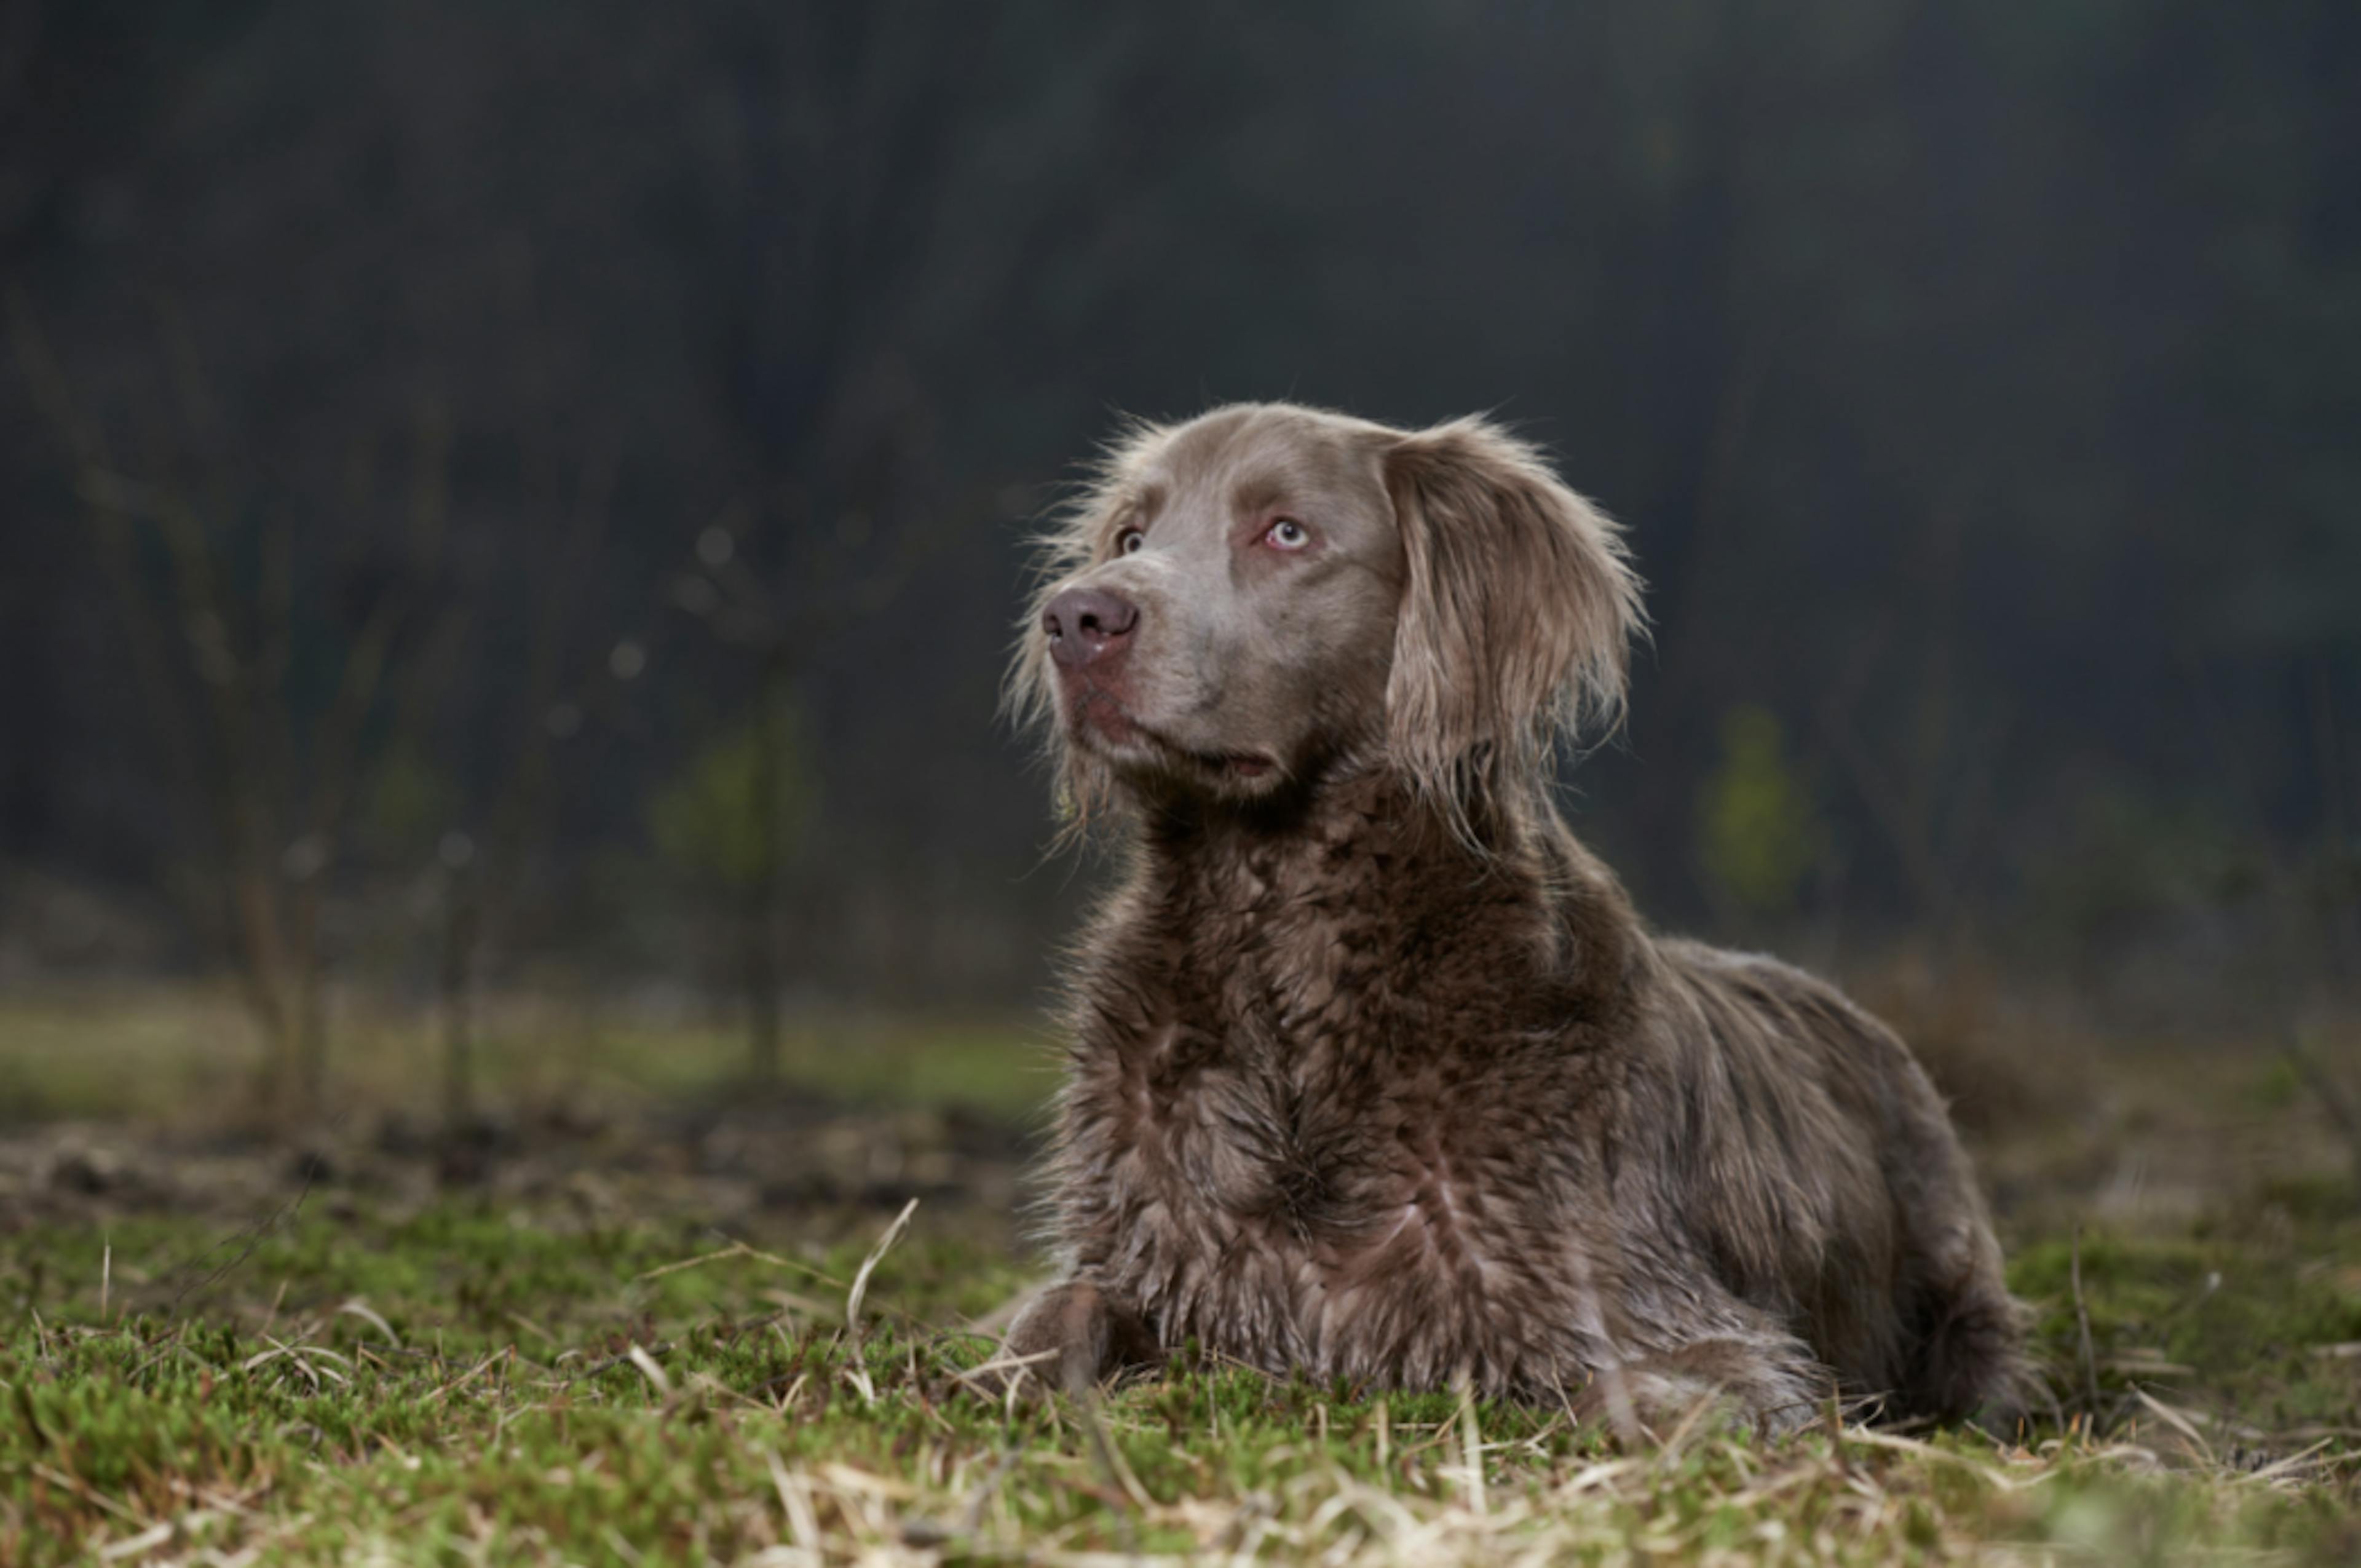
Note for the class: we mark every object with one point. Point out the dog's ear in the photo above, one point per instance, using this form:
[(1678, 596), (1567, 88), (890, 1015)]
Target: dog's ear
[(1517, 613)]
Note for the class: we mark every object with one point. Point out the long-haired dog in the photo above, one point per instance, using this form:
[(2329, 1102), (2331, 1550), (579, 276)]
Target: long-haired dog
[(1375, 1073)]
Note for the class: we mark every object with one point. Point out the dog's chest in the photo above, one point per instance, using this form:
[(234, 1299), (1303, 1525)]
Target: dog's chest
[(1310, 1124), (1293, 1204)]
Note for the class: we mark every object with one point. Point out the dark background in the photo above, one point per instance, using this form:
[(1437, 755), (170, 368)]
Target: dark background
[(514, 490)]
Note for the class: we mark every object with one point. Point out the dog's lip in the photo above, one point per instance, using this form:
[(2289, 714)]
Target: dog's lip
[(1127, 726), (1247, 764)]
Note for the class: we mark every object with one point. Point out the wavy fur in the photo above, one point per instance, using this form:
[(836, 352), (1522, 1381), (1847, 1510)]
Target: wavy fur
[(1373, 1071)]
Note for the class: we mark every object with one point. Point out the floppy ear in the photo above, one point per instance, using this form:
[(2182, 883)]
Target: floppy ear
[(1516, 615)]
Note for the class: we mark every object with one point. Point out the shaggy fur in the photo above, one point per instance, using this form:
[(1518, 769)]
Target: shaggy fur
[(1375, 1072)]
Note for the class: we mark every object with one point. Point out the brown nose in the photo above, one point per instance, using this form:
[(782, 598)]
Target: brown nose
[(1086, 625)]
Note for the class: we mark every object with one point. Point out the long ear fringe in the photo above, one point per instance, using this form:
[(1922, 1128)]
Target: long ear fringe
[(1517, 617), (1065, 544)]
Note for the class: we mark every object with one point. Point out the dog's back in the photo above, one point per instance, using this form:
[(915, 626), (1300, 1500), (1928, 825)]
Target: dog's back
[(1820, 1170)]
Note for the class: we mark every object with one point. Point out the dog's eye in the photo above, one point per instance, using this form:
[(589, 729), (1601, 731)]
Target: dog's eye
[(1131, 542), (1286, 534)]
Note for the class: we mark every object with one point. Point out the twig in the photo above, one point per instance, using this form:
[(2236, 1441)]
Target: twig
[(2333, 1097), (613, 1361), (740, 1249), (251, 1235), (478, 1371), (1471, 1442), (2083, 1324), (974, 1375)]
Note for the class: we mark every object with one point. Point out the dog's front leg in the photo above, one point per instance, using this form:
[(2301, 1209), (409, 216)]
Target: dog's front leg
[(1082, 1336)]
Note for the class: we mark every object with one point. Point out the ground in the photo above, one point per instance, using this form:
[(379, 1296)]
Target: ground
[(650, 1315)]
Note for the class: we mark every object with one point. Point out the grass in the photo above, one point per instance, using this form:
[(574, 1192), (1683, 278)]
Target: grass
[(383, 1372), (161, 1053), (462, 1384)]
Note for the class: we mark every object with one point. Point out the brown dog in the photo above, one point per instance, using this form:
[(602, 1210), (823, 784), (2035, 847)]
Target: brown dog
[(1375, 1073)]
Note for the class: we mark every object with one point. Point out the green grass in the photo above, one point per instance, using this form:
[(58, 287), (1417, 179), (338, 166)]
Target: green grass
[(379, 1373), (1005, 1069), (163, 1053), (457, 1383)]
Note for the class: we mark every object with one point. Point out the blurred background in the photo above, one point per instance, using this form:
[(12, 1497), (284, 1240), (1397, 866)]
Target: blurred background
[(514, 512)]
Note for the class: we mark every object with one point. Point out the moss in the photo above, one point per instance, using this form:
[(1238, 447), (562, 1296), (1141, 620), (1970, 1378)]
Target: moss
[(459, 1436)]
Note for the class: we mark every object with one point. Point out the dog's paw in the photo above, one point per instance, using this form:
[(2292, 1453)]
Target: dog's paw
[(1069, 1338)]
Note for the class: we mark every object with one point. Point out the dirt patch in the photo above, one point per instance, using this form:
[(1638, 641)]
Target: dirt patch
[(752, 1158)]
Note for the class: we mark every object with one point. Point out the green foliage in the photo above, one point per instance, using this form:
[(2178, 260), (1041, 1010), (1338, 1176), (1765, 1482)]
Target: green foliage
[(1757, 836), (739, 807), (2256, 1326)]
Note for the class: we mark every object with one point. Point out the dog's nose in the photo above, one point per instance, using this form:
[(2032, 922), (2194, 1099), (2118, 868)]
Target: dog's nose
[(1086, 625)]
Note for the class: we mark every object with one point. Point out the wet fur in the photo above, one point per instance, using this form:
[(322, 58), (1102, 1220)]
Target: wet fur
[(1377, 1074)]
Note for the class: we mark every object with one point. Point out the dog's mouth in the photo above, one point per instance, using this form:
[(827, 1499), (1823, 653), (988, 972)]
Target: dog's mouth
[(1104, 725)]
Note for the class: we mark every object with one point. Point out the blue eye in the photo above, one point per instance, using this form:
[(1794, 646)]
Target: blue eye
[(1131, 542), (1287, 534)]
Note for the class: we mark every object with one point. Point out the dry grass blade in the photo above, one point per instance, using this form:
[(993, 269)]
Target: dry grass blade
[(83, 1489), (1697, 1412), (2083, 1325), (464, 1378), (975, 1377), (1108, 1458), (2179, 1422), (796, 1506), (1471, 1445), (132, 1546), (846, 1479), (869, 1265), (651, 1371), (2331, 1095), (2294, 1464), (359, 1308), (1868, 1437), (735, 1249)]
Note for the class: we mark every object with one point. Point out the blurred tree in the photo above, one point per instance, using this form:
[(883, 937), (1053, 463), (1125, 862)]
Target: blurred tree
[(735, 817), (480, 856), (1978, 381), (844, 211), (206, 582)]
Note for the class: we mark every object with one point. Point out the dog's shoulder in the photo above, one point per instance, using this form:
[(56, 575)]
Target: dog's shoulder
[(1754, 995)]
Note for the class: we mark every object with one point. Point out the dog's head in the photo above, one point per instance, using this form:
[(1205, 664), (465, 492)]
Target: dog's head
[(1242, 604)]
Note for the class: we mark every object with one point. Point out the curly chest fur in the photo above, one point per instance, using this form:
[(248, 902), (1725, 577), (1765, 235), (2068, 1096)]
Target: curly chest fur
[(1311, 1137)]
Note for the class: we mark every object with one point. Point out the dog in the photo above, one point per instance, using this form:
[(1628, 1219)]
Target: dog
[(1374, 1073)]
